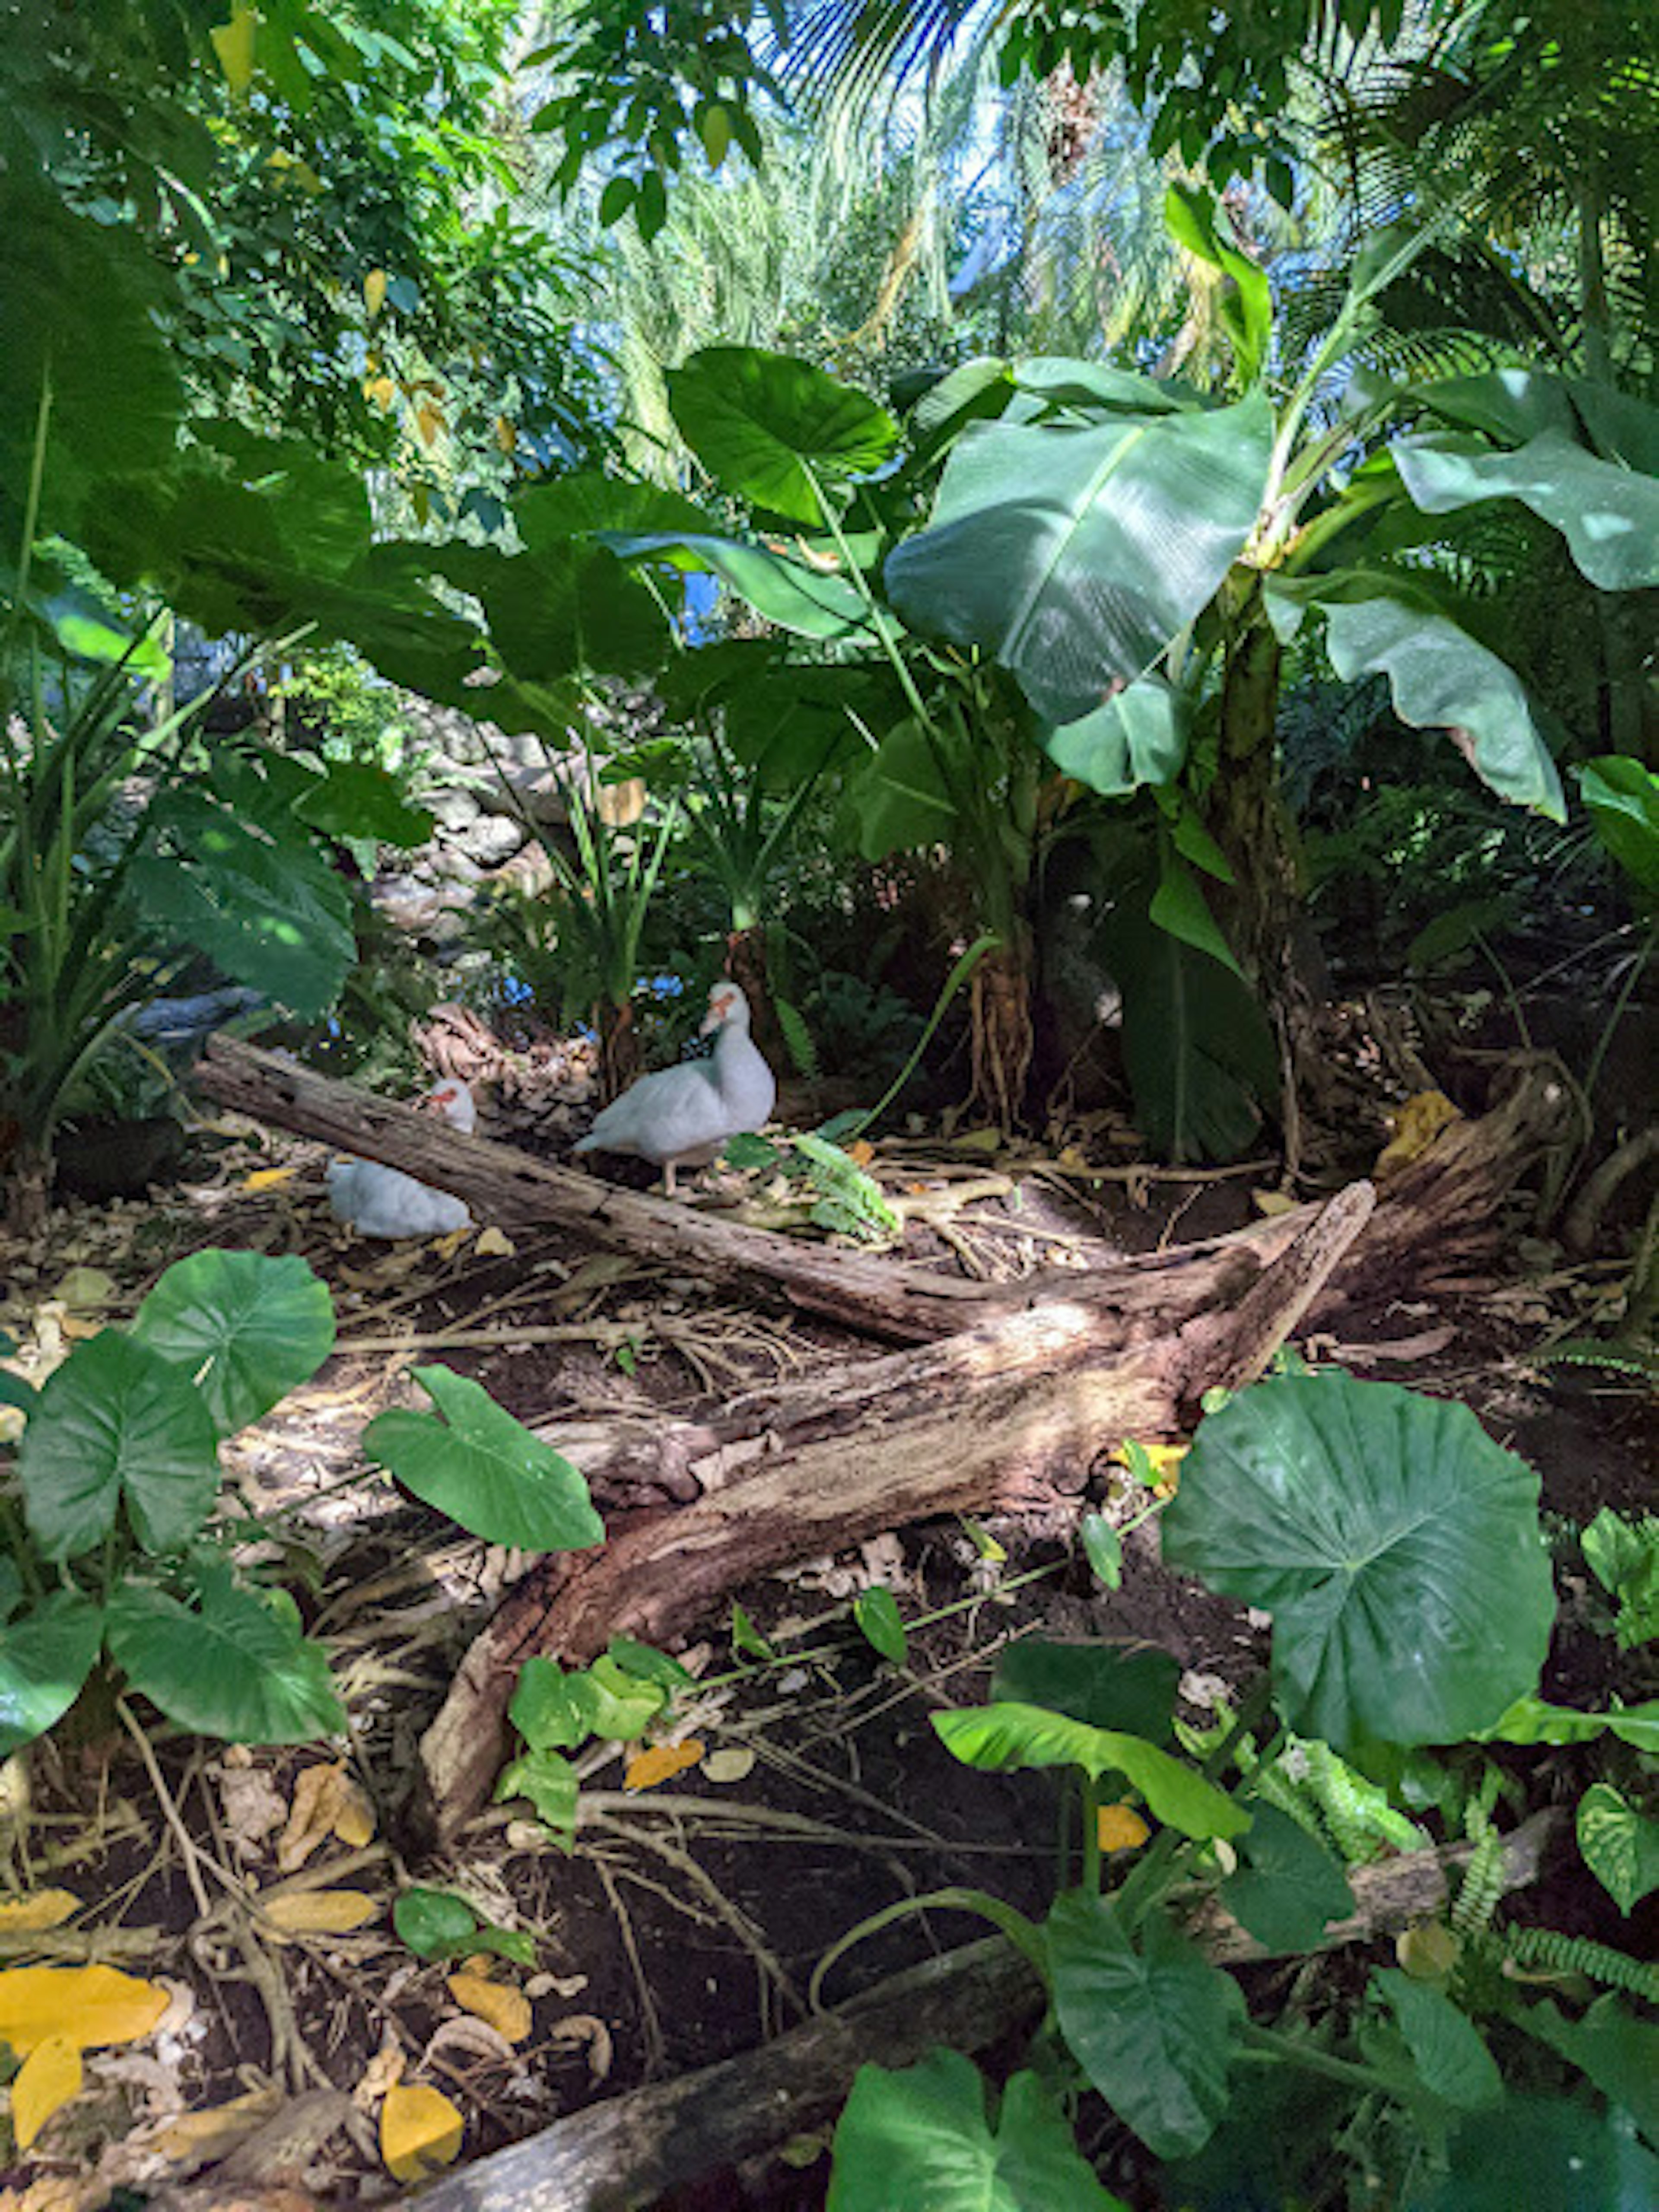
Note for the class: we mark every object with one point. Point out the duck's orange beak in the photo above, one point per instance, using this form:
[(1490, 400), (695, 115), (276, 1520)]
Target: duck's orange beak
[(720, 1006)]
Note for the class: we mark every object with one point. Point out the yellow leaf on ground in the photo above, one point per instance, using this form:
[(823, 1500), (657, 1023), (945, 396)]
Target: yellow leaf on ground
[(860, 1151), (233, 44), (321, 1912), (420, 2131), (215, 2132), (85, 1289), (46, 1908), (495, 1244), (268, 1178), (506, 2009), (1272, 1202), (326, 1802), (90, 2005), (50, 2076), (1119, 1828), (1416, 1125), (374, 291), (729, 1765), (661, 1764)]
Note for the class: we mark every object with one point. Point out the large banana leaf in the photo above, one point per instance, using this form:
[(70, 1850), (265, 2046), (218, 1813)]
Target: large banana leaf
[(1608, 514), (1140, 736), (1075, 554), (1439, 676), (771, 428)]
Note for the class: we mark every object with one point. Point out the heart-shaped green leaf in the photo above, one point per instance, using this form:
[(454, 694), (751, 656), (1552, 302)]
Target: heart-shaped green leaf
[(1444, 2043), (118, 1422), (237, 1668), (473, 1462), (249, 1328), (1151, 2022), (1396, 1545), (1106, 1686), (45, 1657), (920, 2137), (1001, 1737), (1289, 1888), (765, 425), (1620, 1844)]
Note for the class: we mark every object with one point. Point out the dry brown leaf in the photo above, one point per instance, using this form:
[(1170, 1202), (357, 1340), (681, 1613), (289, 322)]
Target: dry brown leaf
[(253, 1807), (661, 1764), (326, 1802), (199, 2137), (383, 2072), (44, 1908), (505, 2009), (582, 2031), (321, 1912), (467, 2041), (420, 2131)]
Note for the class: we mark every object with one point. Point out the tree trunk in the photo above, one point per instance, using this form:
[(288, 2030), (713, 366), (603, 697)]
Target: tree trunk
[(28, 1189), (745, 964)]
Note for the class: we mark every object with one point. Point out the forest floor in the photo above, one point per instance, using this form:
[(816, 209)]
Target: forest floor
[(685, 1926)]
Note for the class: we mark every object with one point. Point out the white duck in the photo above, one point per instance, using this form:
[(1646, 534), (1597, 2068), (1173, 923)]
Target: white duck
[(382, 1201), (682, 1117)]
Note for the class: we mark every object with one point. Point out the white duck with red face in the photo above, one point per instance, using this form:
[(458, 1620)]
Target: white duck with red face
[(683, 1117), (382, 1201)]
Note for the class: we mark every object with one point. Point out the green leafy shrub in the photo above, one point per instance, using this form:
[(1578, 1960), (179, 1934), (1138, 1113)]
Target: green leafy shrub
[(119, 1544)]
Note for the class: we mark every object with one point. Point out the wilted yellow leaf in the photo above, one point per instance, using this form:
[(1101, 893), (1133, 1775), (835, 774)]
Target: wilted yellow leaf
[(233, 44), (326, 1802), (374, 291), (1416, 1125), (321, 1912), (420, 2131), (90, 2005), (267, 1178), (1119, 1828), (50, 2076), (495, 1244), (507, 435), (428, 420), (506, 2009), (381, 390), (1429, 1951), (215, 2132), (46, 1908), (1272, 1202), (84, 1289), (729, 1765), (661, 1764)]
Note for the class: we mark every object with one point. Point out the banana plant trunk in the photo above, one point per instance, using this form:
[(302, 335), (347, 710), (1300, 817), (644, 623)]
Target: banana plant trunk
[(1001, 1030), (620, 1058), (1262, 911), (745, 964), (28, 1189)]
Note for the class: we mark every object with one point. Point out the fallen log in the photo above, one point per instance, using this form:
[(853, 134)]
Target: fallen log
[(1437, 1218), (626, 2151), (1004, 1416)]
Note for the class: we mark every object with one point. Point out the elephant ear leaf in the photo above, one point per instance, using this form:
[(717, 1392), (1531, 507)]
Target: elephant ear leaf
[(1396, 1546), (773, 429)]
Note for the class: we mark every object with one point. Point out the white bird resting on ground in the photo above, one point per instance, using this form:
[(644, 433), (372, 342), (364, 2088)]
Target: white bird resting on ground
[(683, 1117), (382, 1201)]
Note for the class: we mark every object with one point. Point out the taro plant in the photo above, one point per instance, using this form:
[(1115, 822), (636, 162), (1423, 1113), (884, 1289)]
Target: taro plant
[(557, 1711), (1398, 1551), (121, 1534)]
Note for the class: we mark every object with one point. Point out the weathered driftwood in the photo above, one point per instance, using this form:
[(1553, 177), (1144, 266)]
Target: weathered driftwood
[(999, 1416), (628, 2150), (1437, 1218)]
